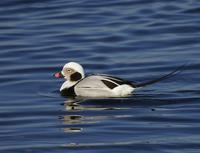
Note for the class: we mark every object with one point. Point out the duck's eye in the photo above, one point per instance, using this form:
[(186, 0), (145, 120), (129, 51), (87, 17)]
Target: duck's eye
[(68, 70)]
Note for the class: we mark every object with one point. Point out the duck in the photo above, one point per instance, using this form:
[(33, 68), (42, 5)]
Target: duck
[(99, 85)]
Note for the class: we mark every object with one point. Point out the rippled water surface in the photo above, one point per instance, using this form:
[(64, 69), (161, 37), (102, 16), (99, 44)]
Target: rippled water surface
[(134, 39)]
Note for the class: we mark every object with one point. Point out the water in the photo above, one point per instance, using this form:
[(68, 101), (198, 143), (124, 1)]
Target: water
[(133, 39)]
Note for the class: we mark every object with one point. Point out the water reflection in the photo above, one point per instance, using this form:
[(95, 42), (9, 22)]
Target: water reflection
[(77, 120), (72, 130), (78, 104)]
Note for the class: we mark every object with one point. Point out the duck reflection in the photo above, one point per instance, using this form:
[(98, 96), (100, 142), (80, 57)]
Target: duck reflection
[(71, 121), (94, 104), (72, 130), (76, 119)]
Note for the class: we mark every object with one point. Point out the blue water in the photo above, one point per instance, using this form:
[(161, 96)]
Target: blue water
[(134, 39)]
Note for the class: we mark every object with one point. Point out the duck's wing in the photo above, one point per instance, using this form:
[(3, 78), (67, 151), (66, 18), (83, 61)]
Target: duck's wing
[(96, 82), (95, 86), (116, 80), (102, 81)]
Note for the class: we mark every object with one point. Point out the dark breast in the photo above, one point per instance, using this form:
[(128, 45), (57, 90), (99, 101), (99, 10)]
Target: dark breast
[(68, 92)]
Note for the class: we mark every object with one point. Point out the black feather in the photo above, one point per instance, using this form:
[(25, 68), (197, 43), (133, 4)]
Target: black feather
[(169, 75), (109, 84), (68, 92), (116, 80)]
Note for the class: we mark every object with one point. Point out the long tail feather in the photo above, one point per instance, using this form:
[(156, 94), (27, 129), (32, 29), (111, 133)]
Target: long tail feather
[(169, 75)]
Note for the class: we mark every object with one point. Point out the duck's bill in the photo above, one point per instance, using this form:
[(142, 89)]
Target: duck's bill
[(58, 75)]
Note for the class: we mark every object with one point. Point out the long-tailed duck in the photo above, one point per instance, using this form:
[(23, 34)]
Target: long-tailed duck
[(98, 85)]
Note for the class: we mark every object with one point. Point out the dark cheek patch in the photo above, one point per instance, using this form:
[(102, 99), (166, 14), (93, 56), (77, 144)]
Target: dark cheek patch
[(76, 76)]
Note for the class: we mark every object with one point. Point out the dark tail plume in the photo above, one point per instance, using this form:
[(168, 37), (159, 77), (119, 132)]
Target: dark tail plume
[(169, 75)]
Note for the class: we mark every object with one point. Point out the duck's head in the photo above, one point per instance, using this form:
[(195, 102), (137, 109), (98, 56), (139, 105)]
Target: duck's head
[(71, 71)]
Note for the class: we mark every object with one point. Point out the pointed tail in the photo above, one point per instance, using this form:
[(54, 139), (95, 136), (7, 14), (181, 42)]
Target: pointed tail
[(169, 75)]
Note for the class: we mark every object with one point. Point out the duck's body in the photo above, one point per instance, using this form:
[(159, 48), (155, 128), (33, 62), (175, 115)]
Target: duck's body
[(98, 85)]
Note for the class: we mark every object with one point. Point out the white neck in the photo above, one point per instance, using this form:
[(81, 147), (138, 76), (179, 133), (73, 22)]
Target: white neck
[(67, 84)]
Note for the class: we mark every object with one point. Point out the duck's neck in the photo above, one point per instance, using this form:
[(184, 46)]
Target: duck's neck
[(67, 84)]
